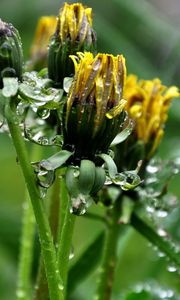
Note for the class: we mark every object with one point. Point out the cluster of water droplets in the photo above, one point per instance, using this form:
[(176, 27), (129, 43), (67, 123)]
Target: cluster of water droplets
[(155, 292), (154, 196), (45, 178)]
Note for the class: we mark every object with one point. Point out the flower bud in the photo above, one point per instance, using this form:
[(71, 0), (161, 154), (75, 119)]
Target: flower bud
[(148, 102), (94, 110), (45, 29), (11, 56), (73, 33)]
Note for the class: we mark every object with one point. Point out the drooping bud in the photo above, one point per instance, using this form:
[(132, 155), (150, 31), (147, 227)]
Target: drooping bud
[(11, 56), (45, 29), (73, 33), (95, 109), (148, 102)]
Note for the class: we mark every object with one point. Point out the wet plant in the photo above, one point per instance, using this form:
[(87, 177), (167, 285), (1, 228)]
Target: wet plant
[(102, 128)]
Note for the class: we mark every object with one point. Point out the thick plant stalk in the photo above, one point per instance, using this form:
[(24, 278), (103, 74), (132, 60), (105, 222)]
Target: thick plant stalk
[(27, 242), (163, 245), (46, 240), (41, 291), (65, 243), (23, 291), (107, 267)]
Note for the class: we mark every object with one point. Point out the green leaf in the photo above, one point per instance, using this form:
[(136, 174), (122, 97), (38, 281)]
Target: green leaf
[(123, 135), (87, 262), (110, 164), (10, 87), (55, 161), (164, 245)]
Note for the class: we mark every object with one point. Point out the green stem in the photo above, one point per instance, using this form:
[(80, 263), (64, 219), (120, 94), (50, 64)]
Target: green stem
[(64, 204), (106, 271), (46, 240), (27, 241), (164, 245), (41, 291), (65, 244), (26, 253)]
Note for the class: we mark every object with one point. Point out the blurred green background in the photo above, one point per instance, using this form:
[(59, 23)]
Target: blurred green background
[(148, 34)]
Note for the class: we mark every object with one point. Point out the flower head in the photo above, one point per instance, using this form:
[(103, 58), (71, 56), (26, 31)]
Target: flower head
[(45, 29), (148, 102), (11, 56), (73, 33), (75, 24), (95, 109)]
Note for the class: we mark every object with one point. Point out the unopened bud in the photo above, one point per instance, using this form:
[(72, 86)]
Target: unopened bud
[(73, 33), (11, 56)]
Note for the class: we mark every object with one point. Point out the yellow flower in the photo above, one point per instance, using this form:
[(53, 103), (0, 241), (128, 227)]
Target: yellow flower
[(73, 34), (45, 29), (95, 108), (75, 23), (148, 102)]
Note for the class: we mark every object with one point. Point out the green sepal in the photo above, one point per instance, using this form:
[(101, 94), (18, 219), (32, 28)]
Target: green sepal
[(56, 161), (72, 181), (123, 135), (100, 177), (112, 169), (86, 176)]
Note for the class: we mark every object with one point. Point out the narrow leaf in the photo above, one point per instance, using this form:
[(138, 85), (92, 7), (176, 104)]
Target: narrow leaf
[(110, 164), (123, 135), (86, 263), (55, 161), (163, 245)]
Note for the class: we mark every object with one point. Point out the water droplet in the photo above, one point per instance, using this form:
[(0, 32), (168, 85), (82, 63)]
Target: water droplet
[(37, 91), (161, 254), (161, 213), (44, 113), (43, 140), (71, 255), (21, 109), (162, 232), (76, 172), (172, 268), (108, 181), (150, 209), (80, 204), (152, 169), (20, 293), (43, 192), (60, 287)]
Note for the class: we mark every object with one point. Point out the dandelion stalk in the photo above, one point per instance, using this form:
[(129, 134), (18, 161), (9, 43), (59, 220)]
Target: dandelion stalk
[(46, 240), (163, 245), (26, 253), (27, 242), (106, 271), (41, 290), (65, 243)]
